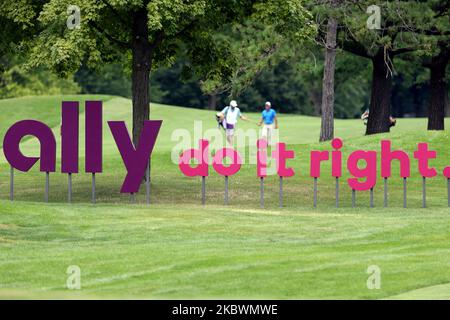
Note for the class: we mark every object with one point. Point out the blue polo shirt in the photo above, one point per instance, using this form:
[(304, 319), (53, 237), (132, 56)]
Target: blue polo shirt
[(268, 116)]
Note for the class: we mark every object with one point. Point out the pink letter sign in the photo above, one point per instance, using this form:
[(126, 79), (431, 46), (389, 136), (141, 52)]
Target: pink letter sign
[(387, 156), (336, 158), (423, 155), (261, 158), (316, 158), (201, 155), (369, 172), (230, 170), (280, 155)]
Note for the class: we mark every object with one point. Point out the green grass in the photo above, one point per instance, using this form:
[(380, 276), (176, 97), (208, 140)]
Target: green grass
[(176, 248)]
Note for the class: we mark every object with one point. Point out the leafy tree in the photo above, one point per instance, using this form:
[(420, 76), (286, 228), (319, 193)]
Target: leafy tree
[(109, 79), (18, 24), (151, 32), (16, 81), (401, 22), (274, 33), (177, 86)]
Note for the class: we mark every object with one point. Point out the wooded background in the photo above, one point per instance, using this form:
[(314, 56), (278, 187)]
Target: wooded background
[(312, 57)]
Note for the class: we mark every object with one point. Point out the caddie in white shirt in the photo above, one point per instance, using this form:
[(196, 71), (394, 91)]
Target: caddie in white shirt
[(229, 117)]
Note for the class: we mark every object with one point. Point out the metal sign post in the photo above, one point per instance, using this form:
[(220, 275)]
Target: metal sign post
[(203, 190), (315, 192), (404, 192), (337, 192), (93, 187), (147, 184), (11, 184), (226, 191), (261, 196), (69, 188), (385, 192), (280, 193), (353, 198), (47, 185), (371, 198), (424, 192)]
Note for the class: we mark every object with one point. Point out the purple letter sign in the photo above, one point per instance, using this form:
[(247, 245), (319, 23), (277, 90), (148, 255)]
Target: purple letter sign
[(46, 138), (93, 136), (69, 137), (135, 159)]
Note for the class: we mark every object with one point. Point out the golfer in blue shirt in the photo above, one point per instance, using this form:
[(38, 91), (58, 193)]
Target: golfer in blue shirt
[(269, 118)]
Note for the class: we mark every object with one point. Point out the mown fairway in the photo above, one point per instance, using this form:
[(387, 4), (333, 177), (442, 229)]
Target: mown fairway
[(176, 248)]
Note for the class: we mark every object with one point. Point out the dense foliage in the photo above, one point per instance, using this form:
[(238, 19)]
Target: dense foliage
[(264, 57)]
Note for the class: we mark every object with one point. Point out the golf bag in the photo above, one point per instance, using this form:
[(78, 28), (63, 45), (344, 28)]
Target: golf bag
[(221, 123)]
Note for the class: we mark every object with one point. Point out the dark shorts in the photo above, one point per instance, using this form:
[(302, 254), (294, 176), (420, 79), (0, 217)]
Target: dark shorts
[(230, 126)]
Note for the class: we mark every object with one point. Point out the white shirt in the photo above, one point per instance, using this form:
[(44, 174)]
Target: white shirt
[(231, 115)]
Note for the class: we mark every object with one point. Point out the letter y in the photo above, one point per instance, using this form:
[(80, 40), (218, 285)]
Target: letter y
[(135, 159)]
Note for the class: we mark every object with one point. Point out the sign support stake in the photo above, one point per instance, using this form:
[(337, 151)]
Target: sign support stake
[(226, 191), (47, 185), (385, 192), (353, 198), (315, 192), (371, 198), (203, 190), (280, 193), (147, 184), (69, 188), (424, 192), (93, 187), (11, 184), (261, 196), (337, 192), (404, 192)]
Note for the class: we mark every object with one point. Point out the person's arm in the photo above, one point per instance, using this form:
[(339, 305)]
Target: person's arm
[(262, 119), (242, 116)]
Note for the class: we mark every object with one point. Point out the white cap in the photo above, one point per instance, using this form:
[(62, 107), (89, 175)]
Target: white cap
[(233, 103), (268, 103)]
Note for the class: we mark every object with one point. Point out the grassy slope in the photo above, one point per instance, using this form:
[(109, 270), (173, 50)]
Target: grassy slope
[(168, 251)]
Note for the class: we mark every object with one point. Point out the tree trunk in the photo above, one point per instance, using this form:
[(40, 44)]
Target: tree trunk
[(327, 126), (438, 98), (380, 100), (141, 66), (438, 101), (212, 102), (315, 96)]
